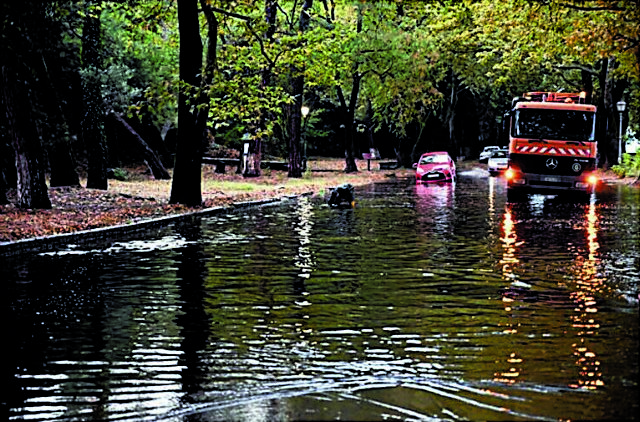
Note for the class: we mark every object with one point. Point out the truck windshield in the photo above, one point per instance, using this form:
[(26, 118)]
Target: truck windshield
[(566, 125)]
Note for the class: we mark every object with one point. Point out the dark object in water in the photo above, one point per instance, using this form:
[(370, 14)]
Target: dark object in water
[(341, 195)]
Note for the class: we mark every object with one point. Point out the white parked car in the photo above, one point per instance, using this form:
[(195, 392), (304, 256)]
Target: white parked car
[(487, 151), (498, 162), (632, 144)]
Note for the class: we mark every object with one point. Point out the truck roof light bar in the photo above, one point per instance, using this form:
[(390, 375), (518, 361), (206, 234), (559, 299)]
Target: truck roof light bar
[(555, 97)]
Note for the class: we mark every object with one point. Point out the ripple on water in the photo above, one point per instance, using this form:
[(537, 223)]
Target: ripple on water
[(444, 303)]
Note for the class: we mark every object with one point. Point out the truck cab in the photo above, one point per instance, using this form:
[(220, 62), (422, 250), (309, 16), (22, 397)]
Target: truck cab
[(552, 145)]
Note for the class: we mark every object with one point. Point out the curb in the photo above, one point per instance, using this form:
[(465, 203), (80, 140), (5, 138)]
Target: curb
[(48, 243)]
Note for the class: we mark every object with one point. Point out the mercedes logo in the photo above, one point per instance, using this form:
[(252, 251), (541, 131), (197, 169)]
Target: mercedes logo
[(552, 163)]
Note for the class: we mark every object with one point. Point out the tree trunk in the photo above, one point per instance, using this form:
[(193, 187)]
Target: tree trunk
[(587, 84), (349, 155), (31, 188), (451, 119), (3, 186), (254, 158), (296, 78), (414, 156), (186, 187), (143, 124), (271, 17), (453, 142), (606, 115), (399, 155), (150, 157), (295, 120), (348, 111), (93, 118), (61, 162)]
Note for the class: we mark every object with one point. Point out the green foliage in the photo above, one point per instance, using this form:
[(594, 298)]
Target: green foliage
[(307, 175), (413, 57), (120, 174), (630, 166), (141, 65)]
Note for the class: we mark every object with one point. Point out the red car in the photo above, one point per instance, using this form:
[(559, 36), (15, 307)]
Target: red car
[(435, 167)]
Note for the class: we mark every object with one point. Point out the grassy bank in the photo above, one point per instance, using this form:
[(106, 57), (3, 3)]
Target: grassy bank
[(141, 197)]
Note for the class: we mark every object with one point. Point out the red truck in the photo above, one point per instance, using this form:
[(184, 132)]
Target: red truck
[(552, 145)]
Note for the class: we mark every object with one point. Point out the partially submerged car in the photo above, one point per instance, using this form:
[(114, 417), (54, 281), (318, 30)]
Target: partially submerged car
[(435, 167), (498, 162)]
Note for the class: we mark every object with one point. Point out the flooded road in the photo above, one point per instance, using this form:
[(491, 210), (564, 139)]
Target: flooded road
[(422, 303)]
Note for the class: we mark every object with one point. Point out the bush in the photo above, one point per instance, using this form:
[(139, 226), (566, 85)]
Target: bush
[(630, 166), (118, 174), (618, 170)]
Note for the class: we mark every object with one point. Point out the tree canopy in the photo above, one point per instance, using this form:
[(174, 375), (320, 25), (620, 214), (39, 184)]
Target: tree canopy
[(380, 74)]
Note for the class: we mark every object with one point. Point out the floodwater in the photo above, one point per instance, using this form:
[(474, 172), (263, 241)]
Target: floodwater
[(440, 302)]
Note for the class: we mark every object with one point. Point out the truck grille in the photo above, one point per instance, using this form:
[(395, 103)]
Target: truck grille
[(551, 164)]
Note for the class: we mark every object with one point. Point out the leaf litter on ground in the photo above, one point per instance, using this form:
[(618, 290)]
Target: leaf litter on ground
[(143, 198)]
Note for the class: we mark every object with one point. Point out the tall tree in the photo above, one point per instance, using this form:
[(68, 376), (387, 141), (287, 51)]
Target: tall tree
[(93, 117), (62, 163), (186, 187), (18, 52), (347, 111), (296, 91), (294, 112), (3, 188), (254, 157), (32, 188)]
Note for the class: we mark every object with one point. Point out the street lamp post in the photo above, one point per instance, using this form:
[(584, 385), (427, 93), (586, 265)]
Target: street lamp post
[(621, 105), (305, 112)]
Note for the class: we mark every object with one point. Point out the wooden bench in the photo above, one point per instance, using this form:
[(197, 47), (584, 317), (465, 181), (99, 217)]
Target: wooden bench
[(222, 163), (388, 165), (275, 165), (373, 154)]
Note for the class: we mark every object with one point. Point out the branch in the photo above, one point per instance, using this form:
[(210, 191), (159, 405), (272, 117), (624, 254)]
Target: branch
[(151, 158), (286, 15), (382, 74), (374, 50), (472, 51), (262, 49), (343, 103), (631, 42), (232, 14), (577, 67), (592, 8), (567, 81)]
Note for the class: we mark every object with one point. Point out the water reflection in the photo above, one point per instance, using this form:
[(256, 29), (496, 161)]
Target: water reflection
[(128, 362), (509, 263), (510, 244), (584, 284), (305, 259), (435, 207), (589, 285), (424, 302)]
